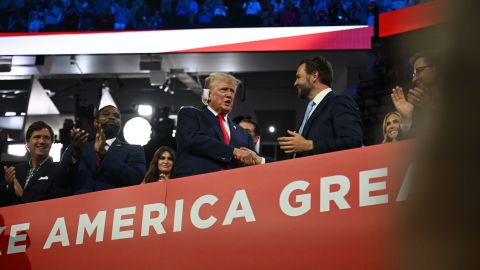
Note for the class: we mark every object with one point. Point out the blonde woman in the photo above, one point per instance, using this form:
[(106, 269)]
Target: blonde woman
[(391, 127)]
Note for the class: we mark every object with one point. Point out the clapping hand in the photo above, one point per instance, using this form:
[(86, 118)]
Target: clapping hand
[(100, 140), (12, 181), (402, 105), (419, 97), (79, 138)]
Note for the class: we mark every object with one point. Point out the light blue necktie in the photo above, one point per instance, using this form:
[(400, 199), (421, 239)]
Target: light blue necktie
[(307, 114)]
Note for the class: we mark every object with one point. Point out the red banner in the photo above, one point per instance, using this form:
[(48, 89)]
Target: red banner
[(331, 211), (411, 18)]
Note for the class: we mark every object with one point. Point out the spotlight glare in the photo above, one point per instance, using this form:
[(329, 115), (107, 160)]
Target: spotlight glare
[(17, 150), (144, 110), (137, 131), (271, 129)]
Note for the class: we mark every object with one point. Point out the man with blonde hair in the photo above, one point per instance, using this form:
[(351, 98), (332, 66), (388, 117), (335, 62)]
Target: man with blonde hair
[(209, 141)]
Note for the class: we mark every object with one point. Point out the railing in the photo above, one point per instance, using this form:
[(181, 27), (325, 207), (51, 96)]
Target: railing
[(331, 211)]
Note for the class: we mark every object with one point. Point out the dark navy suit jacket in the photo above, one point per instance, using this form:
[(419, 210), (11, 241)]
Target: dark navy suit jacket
[(50, 181), (334, 125), (200, 146), (123, 165)]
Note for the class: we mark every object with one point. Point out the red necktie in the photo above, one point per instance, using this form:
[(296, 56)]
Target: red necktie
[(226, 139)]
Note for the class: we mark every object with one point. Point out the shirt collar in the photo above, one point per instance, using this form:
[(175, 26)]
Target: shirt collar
[(109, 142), (320, 96), (41, 163), (216, 114)]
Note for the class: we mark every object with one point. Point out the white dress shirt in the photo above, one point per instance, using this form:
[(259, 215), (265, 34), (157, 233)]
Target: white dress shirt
[(225, 122), (318, 98)]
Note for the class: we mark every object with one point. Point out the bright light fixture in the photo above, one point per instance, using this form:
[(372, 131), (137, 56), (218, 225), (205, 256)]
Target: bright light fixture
[(10, 113), (16, 150), (144, 110), (137, 131), (20, 151), (271, 129)]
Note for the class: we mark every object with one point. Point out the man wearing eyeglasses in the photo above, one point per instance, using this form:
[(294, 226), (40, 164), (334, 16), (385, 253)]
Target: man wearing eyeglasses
[(420, 97)]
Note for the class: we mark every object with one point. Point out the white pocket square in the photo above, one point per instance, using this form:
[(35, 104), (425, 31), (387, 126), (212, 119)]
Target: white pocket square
[(43, 178)]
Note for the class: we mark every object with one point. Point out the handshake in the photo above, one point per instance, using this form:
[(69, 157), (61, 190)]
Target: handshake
[(246, 156)]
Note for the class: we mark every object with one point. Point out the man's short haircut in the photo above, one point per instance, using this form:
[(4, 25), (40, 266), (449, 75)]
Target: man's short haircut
[(249, 120), (322, 66), (430, 57), (39, 125), (222, 76), (97, 113)]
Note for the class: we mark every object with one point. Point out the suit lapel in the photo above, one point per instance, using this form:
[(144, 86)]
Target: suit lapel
[(115, 147), (90, 157), (42, 171), (21, 173), (233, 132), (214, 122), (317, 112)]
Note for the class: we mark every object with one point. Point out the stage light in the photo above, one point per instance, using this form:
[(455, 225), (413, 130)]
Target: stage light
[(16, 150), (144, 110), (19, 150), (137, 131), (271, 129), (106, 98), (55, 151)]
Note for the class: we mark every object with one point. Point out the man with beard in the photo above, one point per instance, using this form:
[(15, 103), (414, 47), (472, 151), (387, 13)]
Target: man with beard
[(209, 141), (39, 178), (420, 99), (331, 122), (106, 162)]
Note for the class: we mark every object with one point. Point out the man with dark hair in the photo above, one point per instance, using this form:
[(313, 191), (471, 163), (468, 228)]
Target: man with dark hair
[(106, 162), (39, 178), (209, 141), (421, 97), (331, 122), (253, 130), (251, 127)]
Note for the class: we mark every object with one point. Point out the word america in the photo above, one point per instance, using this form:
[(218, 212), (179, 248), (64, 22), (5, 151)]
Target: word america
[(154, 214)]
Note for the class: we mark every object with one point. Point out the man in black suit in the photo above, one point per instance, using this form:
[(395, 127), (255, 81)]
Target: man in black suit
[(207, 140), (331, 122), (107, 162), (39, 178)]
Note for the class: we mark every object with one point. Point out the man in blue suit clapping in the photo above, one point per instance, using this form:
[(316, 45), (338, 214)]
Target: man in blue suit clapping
[(106, 162)]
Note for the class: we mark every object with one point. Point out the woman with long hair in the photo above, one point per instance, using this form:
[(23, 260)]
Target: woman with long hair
[(391, 127), (161, 165)]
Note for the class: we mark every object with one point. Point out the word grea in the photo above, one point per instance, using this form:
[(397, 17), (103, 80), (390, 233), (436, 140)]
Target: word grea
[(154, 215)]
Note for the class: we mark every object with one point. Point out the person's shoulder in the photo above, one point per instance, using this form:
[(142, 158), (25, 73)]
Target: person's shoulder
[(134, 146), (188, 109), (239, 128), (341, 102), (342, 98)]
